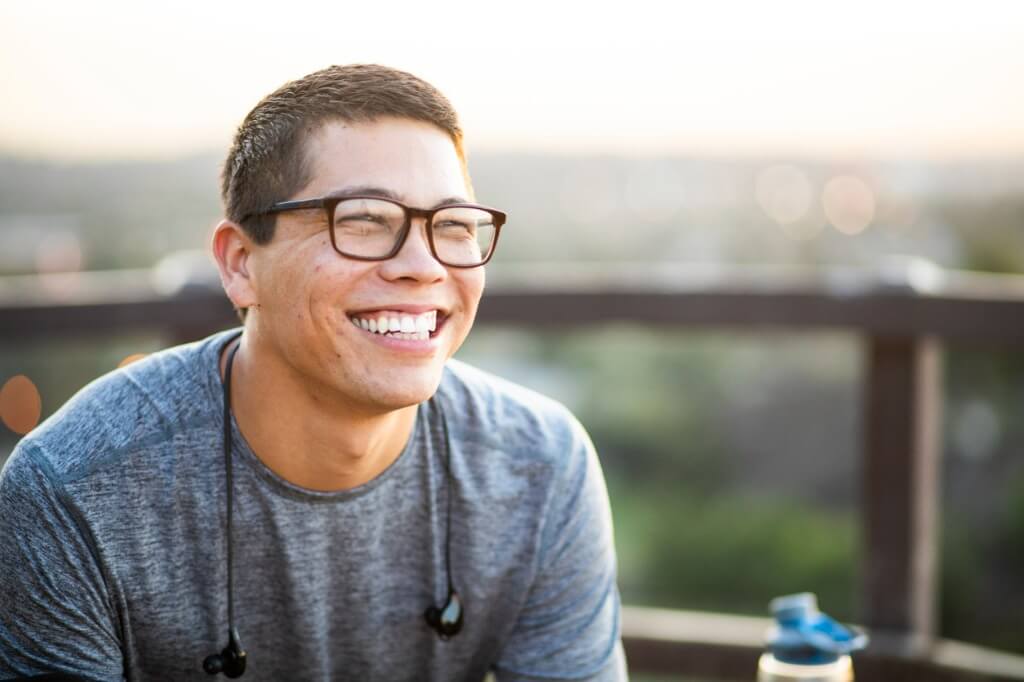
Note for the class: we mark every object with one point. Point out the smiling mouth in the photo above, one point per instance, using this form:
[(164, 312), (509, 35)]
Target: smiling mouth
[(398, 325)]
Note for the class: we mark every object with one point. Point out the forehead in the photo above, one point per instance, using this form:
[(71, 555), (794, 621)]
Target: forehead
[(416, 161)]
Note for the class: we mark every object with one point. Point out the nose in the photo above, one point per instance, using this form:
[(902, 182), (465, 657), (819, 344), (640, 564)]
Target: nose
[(414, 261)]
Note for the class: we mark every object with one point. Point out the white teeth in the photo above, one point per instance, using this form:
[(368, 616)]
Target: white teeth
[(400, 326)]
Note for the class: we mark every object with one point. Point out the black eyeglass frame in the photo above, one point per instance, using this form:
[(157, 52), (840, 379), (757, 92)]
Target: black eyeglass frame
[(330, 203)]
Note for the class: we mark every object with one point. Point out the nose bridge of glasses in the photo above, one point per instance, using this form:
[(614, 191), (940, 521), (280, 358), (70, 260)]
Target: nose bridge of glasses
[(417, 228), (419, 217)]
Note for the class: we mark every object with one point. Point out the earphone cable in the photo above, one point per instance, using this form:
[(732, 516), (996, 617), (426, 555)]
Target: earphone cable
[(229, 482), (449, 494)]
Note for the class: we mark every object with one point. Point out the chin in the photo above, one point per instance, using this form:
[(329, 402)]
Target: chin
[(391, 397)]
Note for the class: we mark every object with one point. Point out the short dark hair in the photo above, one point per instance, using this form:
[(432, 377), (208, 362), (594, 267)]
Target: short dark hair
[(268, 161)]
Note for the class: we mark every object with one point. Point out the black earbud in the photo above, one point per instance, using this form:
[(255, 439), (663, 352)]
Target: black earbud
[(230, 661), (447, 620)]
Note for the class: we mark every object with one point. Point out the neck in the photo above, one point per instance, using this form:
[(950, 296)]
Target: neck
[(309, 441)]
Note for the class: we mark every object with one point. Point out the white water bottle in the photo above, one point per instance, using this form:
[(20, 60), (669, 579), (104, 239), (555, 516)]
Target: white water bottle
[(805, 645)]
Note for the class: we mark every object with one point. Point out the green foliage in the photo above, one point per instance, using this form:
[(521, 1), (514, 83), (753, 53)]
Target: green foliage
[(981, 595), (1014, 521), (981, 600), (60, 367), (654, 404), (960, 582), (637, 404), (727, 552), (990, 231)]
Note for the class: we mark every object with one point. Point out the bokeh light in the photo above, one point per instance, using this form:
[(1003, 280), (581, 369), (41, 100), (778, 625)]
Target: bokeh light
[(849, 204), (784, 193), (20, 404), (976, 429), (134, 357)]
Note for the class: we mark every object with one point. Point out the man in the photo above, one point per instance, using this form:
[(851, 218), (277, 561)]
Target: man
[(372, 510)]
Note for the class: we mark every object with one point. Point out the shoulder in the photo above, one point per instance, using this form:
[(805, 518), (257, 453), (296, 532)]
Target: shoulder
[(130, 408), (511, 440), (496, 412), (542, 507)]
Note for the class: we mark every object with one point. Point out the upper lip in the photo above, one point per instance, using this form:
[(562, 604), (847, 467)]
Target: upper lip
[(410, 308)]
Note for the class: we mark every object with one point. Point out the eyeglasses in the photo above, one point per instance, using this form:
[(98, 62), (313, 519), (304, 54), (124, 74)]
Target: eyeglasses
[(374, 228)]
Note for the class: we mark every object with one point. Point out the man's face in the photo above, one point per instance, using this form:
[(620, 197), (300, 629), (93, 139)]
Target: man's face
[(312, 300)]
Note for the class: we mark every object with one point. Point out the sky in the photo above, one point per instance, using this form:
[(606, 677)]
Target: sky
[(139, 80)]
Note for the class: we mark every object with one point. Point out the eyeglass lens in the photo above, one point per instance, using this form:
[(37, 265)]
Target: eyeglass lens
[(369, 228)]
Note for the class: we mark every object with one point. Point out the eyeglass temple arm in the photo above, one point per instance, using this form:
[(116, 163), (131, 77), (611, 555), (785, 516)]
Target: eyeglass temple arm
[(292, 205)]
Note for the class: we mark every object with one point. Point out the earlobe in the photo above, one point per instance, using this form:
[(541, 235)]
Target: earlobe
[(232, 249)]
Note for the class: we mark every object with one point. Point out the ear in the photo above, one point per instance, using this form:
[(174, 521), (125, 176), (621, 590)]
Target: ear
[(232, 249)]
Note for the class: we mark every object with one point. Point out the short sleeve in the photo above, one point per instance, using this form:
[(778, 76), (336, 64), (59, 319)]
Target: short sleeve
[(55, 615), (569, 626)]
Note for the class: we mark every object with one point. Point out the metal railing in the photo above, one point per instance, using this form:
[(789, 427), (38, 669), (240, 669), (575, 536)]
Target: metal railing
[(903, 315)]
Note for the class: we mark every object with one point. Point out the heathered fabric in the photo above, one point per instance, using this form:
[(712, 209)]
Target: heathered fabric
[(112, 541)]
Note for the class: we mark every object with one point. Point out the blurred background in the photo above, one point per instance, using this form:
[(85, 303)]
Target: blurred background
[(805, 136)]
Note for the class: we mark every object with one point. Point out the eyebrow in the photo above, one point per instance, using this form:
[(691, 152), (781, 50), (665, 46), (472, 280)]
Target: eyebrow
[(385, 193)]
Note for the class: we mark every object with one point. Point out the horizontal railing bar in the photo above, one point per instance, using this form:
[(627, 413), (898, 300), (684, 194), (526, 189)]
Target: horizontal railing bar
[(840, 282), (726, 647), (910, 279), (985, 320), (958, 305)]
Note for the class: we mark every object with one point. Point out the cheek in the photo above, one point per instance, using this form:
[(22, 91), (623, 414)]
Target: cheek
[(327, 287), (472, 285), (300, 284)]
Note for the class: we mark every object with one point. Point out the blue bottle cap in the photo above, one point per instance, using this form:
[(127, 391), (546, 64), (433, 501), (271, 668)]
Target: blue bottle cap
[(804, 635)]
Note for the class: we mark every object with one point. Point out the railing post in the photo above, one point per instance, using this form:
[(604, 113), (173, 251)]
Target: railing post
[(901, 466)]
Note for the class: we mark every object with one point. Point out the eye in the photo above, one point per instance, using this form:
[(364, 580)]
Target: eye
[(364, 223), (456, 225), (360, 217), (455, 229), (367, 214)]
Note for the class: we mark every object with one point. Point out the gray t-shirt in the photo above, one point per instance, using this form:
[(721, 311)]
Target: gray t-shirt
[(112, 541)]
